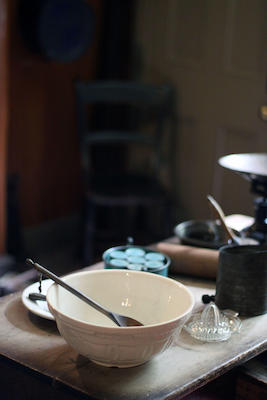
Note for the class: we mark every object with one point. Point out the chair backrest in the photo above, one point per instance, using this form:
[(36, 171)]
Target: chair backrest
[(150, 104)]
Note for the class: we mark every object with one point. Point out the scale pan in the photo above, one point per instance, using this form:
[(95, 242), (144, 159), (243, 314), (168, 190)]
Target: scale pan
[(252, 166)]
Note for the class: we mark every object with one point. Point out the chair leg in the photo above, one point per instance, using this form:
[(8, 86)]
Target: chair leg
[(88, 234), (168, 218)]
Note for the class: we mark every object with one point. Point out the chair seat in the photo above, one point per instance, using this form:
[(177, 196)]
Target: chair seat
[(128, 189)]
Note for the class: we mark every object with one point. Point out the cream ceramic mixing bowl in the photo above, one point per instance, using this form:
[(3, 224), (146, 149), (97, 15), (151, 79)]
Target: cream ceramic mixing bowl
[(161, 304)]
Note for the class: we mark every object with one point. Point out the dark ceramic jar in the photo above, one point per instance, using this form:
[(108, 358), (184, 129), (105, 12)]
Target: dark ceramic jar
[(241, 283)]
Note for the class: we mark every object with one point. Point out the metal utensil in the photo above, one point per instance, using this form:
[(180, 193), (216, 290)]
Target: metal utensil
[(230, 234), (37, 297), (119, 319)]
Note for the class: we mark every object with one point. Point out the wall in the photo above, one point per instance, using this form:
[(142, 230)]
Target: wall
[(213, 52), (3, 118), (42, 141)]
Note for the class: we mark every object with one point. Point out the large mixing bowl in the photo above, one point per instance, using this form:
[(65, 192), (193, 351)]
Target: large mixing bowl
[(161, 304)]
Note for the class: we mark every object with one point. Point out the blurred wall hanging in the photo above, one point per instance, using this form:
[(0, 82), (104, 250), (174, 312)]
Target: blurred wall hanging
[(58, 30)]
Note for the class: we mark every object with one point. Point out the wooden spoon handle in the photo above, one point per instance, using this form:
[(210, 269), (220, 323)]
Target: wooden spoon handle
[(219, 212)]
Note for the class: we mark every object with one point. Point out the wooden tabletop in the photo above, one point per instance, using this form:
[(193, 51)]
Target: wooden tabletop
[(35, 343)]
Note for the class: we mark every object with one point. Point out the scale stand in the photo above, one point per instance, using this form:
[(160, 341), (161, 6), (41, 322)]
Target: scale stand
[(252, 167)]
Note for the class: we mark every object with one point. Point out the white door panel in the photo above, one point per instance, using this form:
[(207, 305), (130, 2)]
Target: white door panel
[(214, 53)]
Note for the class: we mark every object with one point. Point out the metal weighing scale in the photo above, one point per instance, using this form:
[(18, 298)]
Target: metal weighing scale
[(252, 167)]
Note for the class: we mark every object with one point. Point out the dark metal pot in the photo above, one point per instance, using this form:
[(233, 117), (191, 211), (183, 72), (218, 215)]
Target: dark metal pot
[(241, 283)]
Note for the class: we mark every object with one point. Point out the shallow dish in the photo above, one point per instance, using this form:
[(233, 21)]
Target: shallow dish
[(39, 308), (162, 304), (201, 233)]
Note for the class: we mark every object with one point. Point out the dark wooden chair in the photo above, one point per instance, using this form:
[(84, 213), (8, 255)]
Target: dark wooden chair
[(124, 195)]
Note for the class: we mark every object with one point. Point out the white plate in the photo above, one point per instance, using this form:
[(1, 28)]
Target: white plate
[(38, 307)]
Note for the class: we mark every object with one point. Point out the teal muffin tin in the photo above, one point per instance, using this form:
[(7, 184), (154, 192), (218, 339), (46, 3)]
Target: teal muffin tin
[(136, 258)]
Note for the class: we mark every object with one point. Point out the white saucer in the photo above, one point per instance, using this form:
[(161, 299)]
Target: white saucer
[(38, 307)]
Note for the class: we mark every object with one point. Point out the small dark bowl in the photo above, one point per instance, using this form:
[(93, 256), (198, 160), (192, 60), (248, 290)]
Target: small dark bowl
[(201, 233)]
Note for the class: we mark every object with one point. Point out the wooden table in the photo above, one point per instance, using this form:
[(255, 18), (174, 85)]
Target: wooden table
[(36, 362)]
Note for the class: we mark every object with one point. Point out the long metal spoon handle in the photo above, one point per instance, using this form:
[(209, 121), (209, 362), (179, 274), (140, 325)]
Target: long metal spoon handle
[(76, 292)]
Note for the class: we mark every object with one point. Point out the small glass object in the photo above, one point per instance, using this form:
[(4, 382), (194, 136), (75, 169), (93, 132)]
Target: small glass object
[(154, 264), (233, 320), (154, 256), (136, 260), (135, 252), (117, 262), (118, 254), (135, 267), (213, 325)]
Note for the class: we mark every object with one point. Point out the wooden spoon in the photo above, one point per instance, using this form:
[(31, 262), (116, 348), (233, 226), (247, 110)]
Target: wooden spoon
[(229, 232)]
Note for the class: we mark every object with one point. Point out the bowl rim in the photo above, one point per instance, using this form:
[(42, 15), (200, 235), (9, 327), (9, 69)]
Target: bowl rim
[(119, 328)]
